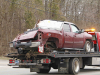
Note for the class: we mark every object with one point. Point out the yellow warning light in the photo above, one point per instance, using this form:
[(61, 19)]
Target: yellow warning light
[(93, 30), (90, 30)]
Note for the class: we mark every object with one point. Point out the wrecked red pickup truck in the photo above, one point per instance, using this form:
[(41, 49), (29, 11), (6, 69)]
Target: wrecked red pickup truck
[(49, 34)]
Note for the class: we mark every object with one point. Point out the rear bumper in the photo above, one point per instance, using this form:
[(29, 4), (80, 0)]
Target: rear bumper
[(13, 64), (24, 44)]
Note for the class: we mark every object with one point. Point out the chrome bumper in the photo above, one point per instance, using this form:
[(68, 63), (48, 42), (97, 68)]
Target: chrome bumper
[(25, 44)]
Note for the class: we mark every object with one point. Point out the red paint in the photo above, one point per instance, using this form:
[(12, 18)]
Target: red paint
[(98, 39), (61, 38), (29, 35)]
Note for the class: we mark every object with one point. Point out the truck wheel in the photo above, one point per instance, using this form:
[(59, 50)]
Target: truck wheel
[(74, 66), (88, 46), (44, 70)]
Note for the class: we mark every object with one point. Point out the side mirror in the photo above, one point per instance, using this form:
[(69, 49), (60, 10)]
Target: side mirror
[(81, 31)]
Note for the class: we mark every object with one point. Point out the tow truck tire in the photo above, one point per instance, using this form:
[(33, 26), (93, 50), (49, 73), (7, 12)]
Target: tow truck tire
[(74, 66), (44, 70), (88, 46)]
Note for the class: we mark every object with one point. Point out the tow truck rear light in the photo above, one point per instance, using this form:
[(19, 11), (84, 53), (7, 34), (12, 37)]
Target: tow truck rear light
[(45, 61), (11, 61)]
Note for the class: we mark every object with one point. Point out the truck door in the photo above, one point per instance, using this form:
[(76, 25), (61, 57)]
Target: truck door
[(78, 38), (68, 36)]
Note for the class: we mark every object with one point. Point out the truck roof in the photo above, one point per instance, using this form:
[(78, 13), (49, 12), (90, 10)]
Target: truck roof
[(58, 21)]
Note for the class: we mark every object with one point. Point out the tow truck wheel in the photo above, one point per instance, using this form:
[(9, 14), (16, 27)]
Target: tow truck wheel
[(88, 46), (74, 66)]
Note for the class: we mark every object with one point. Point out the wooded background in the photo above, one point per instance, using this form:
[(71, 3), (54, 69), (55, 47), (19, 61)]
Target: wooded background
[(16, 16)]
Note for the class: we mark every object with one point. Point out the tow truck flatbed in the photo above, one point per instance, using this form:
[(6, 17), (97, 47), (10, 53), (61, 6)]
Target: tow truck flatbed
[(60, 54), (64, 61)]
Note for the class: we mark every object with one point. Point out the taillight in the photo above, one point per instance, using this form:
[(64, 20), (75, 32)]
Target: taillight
[(45, 61), (11, 61)]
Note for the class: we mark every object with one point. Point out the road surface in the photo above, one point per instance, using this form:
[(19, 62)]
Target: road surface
[(7, 70)]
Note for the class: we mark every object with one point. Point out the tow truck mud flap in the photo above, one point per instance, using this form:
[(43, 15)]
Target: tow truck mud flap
[(63, 66), (36, 68)]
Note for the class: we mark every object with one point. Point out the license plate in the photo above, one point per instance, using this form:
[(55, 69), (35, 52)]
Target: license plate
[(16, 61)]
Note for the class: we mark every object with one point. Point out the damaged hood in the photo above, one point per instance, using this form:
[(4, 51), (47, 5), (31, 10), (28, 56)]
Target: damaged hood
[(26, 35)]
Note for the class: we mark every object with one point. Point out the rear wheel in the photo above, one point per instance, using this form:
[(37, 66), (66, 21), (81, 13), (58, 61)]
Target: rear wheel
[(74, 66), (88, 46)]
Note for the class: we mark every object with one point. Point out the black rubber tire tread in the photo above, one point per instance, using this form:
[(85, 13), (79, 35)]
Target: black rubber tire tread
[(71, 65), (85, 45)]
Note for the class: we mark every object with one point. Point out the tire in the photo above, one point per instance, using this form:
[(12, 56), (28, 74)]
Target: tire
[(22, 51), (44, 70), (88, 46), (74, 66)]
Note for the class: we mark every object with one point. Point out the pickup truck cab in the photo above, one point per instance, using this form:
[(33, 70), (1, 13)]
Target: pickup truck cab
[(49, 34)]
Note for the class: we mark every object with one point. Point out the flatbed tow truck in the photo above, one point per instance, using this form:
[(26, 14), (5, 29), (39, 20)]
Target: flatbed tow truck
[(65, 61)]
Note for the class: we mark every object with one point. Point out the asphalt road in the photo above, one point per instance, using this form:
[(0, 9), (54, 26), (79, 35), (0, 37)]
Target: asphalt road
[(7, 70)]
